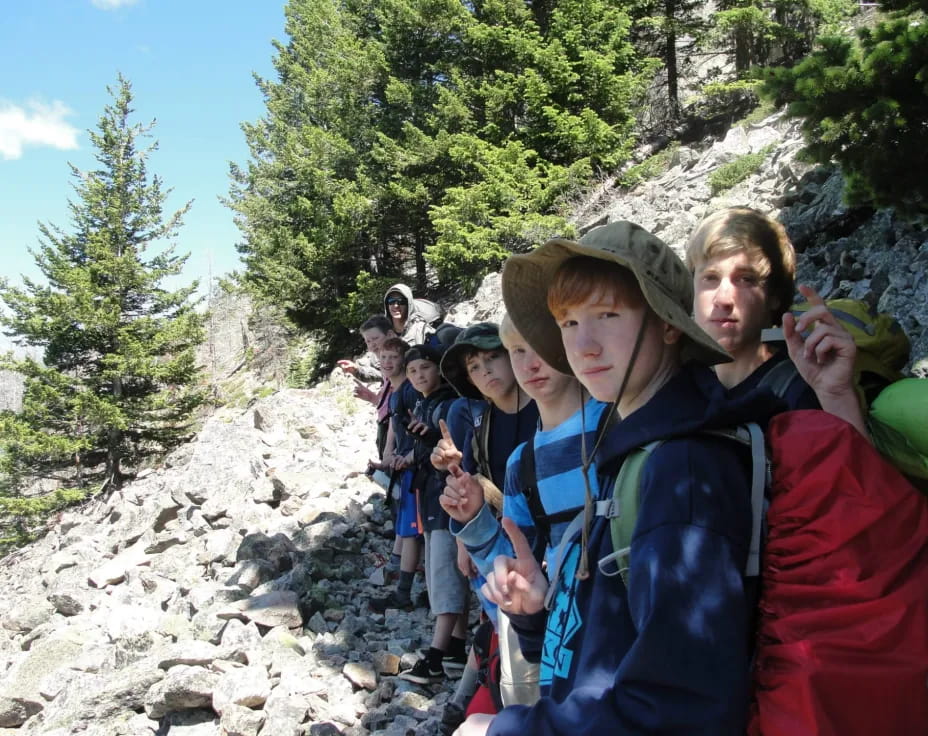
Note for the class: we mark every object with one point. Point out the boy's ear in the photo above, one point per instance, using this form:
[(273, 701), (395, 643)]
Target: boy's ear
[(671, 334)]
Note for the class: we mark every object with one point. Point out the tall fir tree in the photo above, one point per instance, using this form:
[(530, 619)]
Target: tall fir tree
[(425, 137), (304, 200), (118, 378)]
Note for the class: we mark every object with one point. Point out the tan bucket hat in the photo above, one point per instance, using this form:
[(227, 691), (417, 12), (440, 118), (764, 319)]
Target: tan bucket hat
[(665, 281)]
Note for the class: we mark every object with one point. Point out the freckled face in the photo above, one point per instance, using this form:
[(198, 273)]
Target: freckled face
[(599, 338)]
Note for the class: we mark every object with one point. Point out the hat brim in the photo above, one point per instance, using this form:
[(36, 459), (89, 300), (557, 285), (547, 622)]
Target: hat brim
[(525, 282)]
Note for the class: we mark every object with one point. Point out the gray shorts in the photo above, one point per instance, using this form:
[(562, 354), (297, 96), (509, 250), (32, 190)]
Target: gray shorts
[(447, 588)]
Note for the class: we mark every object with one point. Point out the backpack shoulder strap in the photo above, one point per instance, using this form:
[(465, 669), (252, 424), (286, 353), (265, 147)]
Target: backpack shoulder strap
[(779, 378), (528, 484), (480, 444), (622, 511)]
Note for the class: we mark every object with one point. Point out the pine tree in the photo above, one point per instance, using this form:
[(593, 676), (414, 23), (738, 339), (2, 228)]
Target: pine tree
[(425, 136), (864, 102), (117, 379), (304, 201)]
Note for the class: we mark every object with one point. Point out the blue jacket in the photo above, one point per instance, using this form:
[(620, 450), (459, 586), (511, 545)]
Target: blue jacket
[(670, 653)]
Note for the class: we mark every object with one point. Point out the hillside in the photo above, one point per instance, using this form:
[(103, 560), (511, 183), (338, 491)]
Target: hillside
[(225, 591)]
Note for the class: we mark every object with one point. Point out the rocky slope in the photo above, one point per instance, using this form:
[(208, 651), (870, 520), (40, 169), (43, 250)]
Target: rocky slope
[(226, 591)]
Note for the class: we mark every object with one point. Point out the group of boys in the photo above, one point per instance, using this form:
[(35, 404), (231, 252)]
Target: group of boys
[(610, 343)]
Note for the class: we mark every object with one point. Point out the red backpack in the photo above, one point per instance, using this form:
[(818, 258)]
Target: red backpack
[(486, 698), (842, 629), (842, 638)]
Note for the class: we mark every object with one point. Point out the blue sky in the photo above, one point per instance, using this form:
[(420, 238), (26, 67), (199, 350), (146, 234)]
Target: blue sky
[(190, 63)]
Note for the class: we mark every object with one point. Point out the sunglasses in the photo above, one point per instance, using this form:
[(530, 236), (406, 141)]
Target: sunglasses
[(396, 300)]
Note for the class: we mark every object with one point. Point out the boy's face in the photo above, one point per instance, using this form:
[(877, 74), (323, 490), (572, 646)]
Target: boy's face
[(391, 363), (373, 339), (599, 337), (731, 303), (491, 373), (423, 375), (397, 305), (538, 379)]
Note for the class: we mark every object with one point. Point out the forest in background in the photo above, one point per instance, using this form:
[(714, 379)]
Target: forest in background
[(422, 140)]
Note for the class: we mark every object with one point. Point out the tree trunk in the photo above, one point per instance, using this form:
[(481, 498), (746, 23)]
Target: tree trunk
[(670, 58), (114, 440), (420, 262)]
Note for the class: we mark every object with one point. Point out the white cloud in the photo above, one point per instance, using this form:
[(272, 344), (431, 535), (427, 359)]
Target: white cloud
[(40, 125), (113, 4)]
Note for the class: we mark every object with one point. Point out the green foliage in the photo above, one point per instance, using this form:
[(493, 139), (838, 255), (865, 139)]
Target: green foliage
[(758, 32), (651, 168), (865, 104), (425, 136), (734, 172), (117, 379), (304, 363), (23, 519)]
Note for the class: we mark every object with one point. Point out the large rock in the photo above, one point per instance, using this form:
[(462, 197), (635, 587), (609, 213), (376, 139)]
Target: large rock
[(14, 712), (183, 688), (245, 686)]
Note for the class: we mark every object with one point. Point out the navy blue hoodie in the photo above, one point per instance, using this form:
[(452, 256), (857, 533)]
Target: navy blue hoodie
[(670, 653)]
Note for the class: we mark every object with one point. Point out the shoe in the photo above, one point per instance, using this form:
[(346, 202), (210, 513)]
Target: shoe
[(449, 661), (422, 600), (394, 600), (421, 674), (454, 661)]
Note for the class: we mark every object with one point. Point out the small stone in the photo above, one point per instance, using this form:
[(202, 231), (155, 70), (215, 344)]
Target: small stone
[(360, 675), (386, 663)]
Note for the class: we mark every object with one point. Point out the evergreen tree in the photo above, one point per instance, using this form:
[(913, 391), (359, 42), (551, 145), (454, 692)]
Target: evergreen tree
[(118, 372), (865, 105), (763, 31), (425, 136), (305, 201), (660, 27)]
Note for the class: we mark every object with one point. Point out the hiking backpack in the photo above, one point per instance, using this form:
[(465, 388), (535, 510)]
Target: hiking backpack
[(842, 632), (882, 349), (487, 698), (889, 402), (430, 312)]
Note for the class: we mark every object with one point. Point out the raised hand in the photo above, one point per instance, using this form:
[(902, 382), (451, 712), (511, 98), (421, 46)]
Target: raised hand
[(462, 498), (517, 584), (445, 452), (825, 358), (348, 367), (363, 392)]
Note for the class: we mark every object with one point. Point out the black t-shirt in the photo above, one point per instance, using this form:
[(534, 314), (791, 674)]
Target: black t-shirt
[(507, 432)]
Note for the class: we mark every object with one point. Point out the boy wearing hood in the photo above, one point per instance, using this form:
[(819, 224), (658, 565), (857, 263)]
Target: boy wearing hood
[(668, 653), (405, 315)]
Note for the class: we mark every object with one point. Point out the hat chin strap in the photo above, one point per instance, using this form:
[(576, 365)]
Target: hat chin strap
[(583, 569)]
